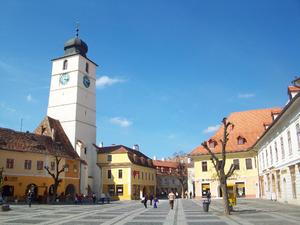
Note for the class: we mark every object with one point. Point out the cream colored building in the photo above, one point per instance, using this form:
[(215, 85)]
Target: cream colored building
[(279, 154), (248, 126)]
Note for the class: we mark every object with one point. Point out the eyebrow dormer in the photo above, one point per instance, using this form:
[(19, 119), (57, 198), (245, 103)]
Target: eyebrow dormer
[(212, 143), (241, 140)]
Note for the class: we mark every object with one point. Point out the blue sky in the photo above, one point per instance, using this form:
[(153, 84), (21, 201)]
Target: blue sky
[(169, 71)]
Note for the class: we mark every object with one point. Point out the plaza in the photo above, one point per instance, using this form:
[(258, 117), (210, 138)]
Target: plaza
[(186, 212)]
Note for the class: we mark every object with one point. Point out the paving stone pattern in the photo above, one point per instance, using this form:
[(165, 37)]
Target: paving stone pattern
[(185, 212)]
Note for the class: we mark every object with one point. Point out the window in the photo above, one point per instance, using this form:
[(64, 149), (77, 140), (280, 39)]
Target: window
[(87, 67), (241, 140), (66, 168), (142, 175), (52, 165), (120, 174), (276, 151), (267, 156), (75, 168), (27, 165), (289, 142), (282, 148), (65, 65), (111, 189), (249, 164), (152, 176), (119, 190), (219, 164), (298, 135), (145, 176), (236, 163), (204, 166), (212, 143), (85, 149), (109, 158), (271, 154), (39, 165), (9, 163), (109, 174)]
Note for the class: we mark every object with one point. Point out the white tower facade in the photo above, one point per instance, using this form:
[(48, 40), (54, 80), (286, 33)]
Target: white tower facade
[(72, 101)]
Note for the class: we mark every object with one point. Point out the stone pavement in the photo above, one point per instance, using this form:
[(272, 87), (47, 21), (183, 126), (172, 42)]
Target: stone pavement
[(186, 212)]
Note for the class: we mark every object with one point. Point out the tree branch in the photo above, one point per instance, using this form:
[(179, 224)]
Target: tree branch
[(230, 171)]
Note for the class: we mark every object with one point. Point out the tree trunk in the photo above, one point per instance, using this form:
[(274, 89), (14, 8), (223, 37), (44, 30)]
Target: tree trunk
[(225, 197)]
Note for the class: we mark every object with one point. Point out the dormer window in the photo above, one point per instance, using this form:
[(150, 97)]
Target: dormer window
[(241, 140), (212, 143), (87, 67), (65, 65)]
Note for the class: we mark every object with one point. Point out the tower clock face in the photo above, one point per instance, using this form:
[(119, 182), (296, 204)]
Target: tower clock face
[(86, 81), (64, 78)]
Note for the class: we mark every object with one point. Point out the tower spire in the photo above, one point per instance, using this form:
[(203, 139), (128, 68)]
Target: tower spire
[(77, 29)]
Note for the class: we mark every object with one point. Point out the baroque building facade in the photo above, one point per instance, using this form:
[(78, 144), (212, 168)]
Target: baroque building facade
[(279, 154)]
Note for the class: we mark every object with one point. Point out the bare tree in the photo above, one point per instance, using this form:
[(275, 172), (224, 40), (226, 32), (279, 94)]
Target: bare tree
[(55, 175), (219, 163)]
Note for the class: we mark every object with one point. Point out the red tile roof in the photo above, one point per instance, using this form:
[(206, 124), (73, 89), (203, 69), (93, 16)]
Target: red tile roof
[(247, 124), (11, 140), (134, 156), (168, 164), (293, 89)]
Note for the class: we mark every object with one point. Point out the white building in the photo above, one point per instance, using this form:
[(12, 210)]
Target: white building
[(72, 101), (279, 154)]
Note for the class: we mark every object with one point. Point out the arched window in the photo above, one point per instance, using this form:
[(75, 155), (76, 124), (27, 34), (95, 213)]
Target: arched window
[(65, 66), (87, 67)]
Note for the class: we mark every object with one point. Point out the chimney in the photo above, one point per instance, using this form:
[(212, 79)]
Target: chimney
[(53, 134), (162, 159), (136, 147), (101, 144), (154, 157)]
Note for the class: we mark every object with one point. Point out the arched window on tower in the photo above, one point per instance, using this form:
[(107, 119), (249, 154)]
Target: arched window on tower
[(86, 67), (65, 65)]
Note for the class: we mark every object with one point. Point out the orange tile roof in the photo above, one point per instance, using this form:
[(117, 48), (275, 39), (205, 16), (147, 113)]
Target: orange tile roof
[(169, 164), (134, 156), (293, 89), (247, 124)]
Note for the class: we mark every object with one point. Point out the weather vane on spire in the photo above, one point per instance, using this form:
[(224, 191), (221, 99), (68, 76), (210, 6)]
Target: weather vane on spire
[(77, 29)]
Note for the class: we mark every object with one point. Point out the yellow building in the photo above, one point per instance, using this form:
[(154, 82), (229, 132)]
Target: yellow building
[(24, 156), (248, 126), (126, 173)]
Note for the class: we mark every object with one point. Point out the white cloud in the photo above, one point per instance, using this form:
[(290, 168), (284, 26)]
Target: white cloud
[(105, 81), (122, 122), (29, 98), (7, 108), (246, 95), (171, 136), (211, 129)]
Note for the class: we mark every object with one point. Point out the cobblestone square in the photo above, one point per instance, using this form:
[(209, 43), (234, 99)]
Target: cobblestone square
[(186, 212)]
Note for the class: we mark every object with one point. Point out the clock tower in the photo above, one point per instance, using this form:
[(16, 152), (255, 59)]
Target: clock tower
[(72, 101)]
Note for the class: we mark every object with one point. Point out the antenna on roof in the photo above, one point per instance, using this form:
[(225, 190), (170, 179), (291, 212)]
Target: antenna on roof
[(77, 29), (21, 127)]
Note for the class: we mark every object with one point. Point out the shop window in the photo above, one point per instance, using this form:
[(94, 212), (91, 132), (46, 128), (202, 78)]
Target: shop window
[(39, 165), (27, 165), (240, 189), (52, 165), (119, 190), (249, 164), (109, 158), (204, 166), (9, 163), (109, 174), (236, 163), (65, 65), (120, 174), (111, 189), (205, 189)]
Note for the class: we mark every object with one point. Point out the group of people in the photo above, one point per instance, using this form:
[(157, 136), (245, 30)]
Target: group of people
[(151, 198)]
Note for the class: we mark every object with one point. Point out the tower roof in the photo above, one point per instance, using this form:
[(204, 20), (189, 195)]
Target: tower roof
[(76, 46)]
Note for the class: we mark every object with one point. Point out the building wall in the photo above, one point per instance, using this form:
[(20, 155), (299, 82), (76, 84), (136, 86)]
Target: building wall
[(20, 178), (209, 179), (279, 172)]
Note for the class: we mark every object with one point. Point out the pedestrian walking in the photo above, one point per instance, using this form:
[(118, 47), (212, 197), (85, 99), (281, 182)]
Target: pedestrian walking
[(144, 200), (171, 197), (155, 202), (151, 198), (191, 194), (30, 196), (208, 196), (94, 198)]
